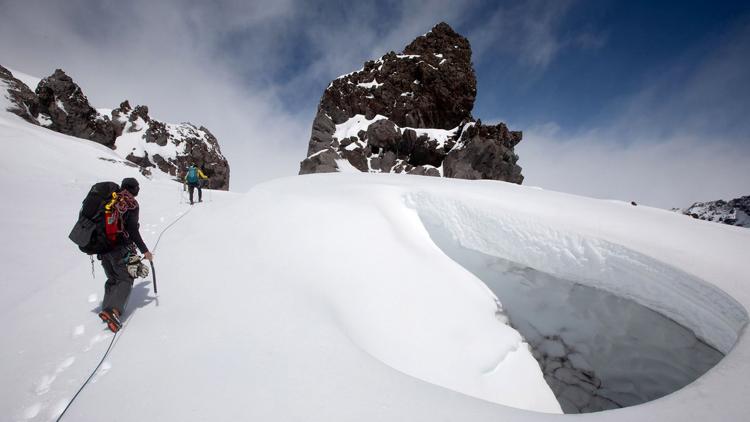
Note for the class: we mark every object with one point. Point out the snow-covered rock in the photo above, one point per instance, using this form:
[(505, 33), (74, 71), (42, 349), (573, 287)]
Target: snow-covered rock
[(735, 212), (411, 113), (17, 98), (169, 147)]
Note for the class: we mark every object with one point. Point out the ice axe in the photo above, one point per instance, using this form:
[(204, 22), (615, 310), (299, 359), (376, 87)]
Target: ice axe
[(153, 276)]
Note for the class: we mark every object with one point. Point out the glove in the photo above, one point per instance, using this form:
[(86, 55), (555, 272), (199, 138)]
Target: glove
[(142, 270), (135, 267)]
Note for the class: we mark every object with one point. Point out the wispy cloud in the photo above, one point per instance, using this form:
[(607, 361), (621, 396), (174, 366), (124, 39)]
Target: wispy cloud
[(531, 32)]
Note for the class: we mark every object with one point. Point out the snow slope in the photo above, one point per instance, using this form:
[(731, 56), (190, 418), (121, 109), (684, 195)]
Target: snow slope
[(253, 321), (324, 297)]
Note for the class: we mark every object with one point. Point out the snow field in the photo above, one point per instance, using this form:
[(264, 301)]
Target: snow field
[(298, 300), (292, 341)]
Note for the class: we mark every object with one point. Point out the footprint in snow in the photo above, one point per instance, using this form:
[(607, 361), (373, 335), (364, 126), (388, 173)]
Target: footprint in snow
[(65, 364), (31, 411), (78, 331), (43, 386), (94, 340), (57, 409), (106, 366)]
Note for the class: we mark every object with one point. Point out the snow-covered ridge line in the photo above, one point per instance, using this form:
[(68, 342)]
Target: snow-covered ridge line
[(59, 104), (29, 80)]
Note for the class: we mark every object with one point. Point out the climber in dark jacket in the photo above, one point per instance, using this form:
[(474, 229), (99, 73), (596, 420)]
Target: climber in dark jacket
[(122, 264)]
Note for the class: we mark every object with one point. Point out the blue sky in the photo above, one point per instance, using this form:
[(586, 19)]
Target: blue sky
[(631, 100), (607, 51)]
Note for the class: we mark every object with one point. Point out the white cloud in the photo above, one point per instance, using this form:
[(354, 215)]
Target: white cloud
[(665, 173)]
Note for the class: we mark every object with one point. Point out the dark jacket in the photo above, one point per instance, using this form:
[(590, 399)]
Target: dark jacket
[(131, 226)]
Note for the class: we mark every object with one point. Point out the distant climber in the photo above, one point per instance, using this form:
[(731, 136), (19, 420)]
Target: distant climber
[(193, 179), (122, 264)]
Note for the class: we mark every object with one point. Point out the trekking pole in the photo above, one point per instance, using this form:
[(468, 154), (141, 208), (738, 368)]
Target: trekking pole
[(153, 276)]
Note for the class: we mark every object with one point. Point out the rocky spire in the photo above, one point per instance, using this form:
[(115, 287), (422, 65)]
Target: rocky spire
[(409, 112)]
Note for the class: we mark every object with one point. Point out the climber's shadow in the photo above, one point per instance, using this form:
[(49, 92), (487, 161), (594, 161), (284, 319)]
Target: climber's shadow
[(139, 297)]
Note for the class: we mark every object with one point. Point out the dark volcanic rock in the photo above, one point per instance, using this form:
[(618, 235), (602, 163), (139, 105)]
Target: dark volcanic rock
[(325, 160), (487, 153), (430, 85), (24, 102), (322, 134), (406, 112), (69, 109), (383, 134), (156, 133)]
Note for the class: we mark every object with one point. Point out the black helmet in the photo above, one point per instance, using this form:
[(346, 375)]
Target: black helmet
[(131, 185)]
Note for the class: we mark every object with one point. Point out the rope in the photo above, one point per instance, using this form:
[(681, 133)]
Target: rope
[(183, 195), (89, 378), (170, 225), (112, 342)]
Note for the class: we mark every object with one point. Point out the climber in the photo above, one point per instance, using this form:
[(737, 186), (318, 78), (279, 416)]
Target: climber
[(122, 264), (193, 178)]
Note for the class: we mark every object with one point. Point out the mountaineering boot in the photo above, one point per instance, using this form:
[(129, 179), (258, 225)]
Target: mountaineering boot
[(112, 318)]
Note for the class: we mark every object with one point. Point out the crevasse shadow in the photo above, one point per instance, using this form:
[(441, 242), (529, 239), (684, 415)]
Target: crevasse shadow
[(640, 331), (597, 351)]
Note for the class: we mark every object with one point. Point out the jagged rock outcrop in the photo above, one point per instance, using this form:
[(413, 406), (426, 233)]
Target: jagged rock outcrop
[(60, 105), (23, 101), (735, 212), (70, 112), (169, 147), (411, 113)]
